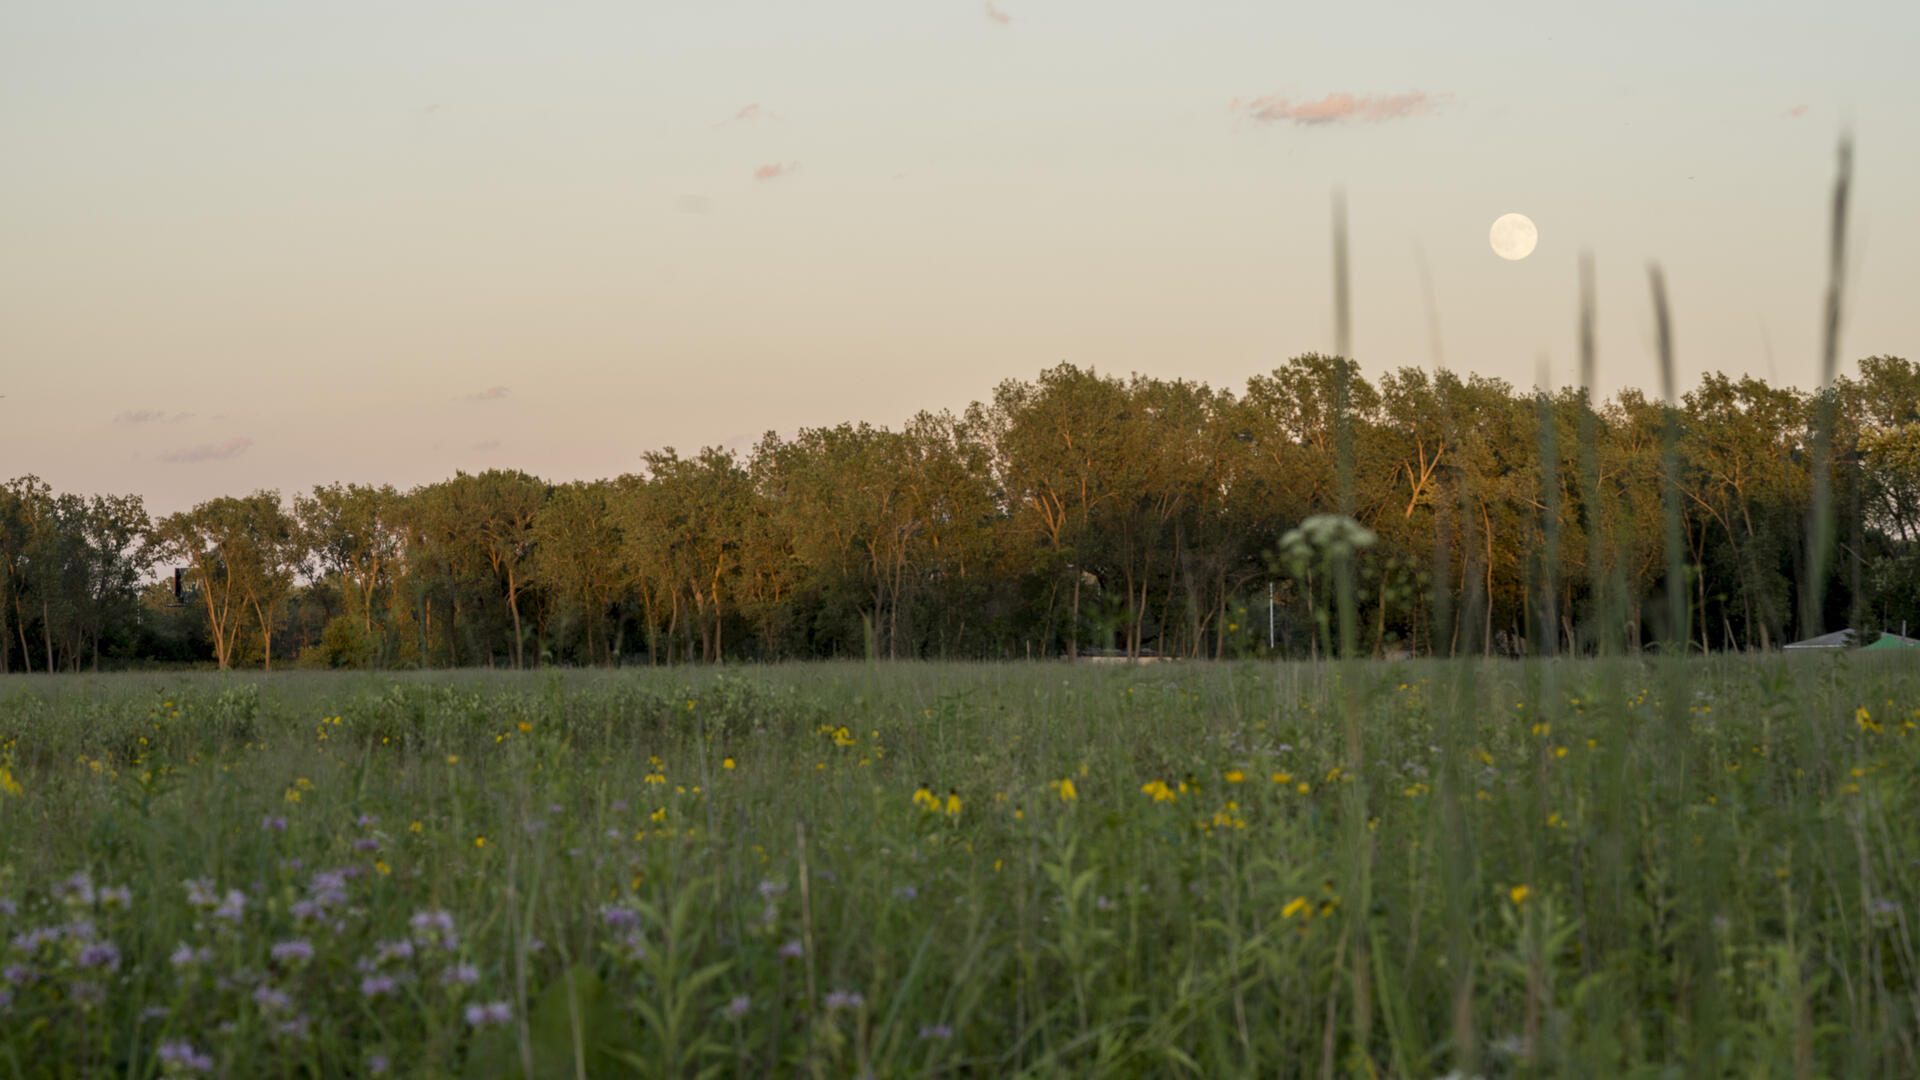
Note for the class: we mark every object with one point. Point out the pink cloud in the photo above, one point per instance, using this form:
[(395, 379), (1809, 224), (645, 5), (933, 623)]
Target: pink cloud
[(209, 452), (995, 15), (1796, 112), (776, 170), (747, 112), (1339, 107)]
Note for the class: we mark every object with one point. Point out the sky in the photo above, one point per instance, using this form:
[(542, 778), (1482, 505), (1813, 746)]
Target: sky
[(253, 245)]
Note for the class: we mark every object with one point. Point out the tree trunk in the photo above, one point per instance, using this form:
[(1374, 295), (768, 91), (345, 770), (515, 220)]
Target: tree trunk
[(266, 637), (513, 604), (46, 633), (1073, 624), (1701, 575)]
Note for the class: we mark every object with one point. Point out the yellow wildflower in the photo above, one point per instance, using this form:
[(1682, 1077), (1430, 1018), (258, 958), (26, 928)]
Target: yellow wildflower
[(656, 778), (479, 841), (380, 867), (453, 759), (953, 803), (1159, 790), (1235, 776), (525, 727), (1067, 793), (1519, 894), (660, 814), (8, 785), (924, 797), (1282, 778), (1299, 905), (726, 763), (416, 827)]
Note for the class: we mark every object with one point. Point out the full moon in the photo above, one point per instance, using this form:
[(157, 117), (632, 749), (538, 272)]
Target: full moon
[(1513, 236)]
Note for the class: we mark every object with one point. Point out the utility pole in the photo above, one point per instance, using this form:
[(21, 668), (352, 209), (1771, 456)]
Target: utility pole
[(1269, 615)]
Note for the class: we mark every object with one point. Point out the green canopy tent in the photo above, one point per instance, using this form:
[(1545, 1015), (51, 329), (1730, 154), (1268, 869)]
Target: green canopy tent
[(1894, 641)]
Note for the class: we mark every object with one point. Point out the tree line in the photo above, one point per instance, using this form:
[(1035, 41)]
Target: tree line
[(1073, 513)]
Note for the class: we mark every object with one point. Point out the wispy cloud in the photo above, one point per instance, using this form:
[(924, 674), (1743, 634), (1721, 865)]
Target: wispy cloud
[(1797, 112), (748, 112), (149, 416), (995, 15), (220, 451), (491, 393), (1339, 107), (776, 170)]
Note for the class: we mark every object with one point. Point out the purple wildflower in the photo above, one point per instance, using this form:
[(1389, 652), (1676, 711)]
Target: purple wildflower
[(200, 893), (619, 805), (792, 950), (180, 1057), (772, 889), (271, 1000), (620, 918), (738, 1007), (233, 907), (393, 950), (377, 1065), (76, 891), (8, 907), (935, 1033), (366, 821), (32, 941), (273, 824), (328, 888), (434, 928), (374, 986), (117, 896), (492, 1013), (292, 952), (460, 975), (906, 892), (87, 995), (844, 999), (366, 843), (100, 954), (17, 974), (188, 956)]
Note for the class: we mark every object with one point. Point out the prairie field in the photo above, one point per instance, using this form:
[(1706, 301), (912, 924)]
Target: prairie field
[(1575, 867)]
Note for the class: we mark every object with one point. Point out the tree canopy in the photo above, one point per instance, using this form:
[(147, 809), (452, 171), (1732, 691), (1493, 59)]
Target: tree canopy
[(1071, 513)]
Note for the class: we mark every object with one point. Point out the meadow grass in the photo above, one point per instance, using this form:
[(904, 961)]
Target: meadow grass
[(979, 870)]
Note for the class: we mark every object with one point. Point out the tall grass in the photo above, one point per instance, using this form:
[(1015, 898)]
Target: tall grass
[(1542, 893)]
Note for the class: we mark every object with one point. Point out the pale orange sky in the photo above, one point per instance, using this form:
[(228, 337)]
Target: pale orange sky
[(243, 248)]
